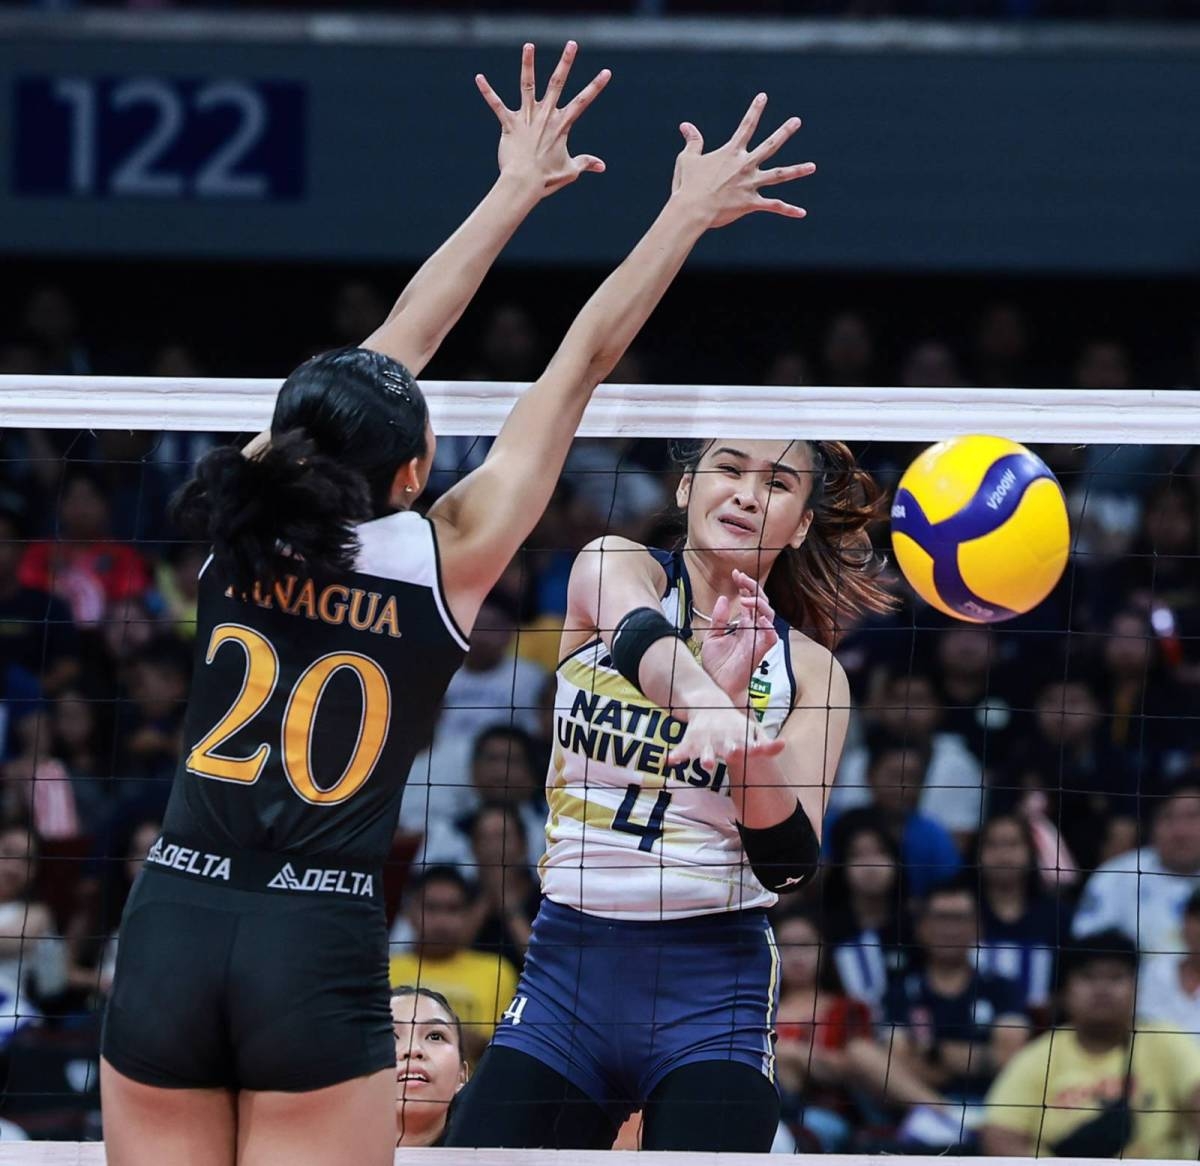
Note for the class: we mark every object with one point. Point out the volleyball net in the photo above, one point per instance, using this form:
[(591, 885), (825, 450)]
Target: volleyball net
[(1003, 790)]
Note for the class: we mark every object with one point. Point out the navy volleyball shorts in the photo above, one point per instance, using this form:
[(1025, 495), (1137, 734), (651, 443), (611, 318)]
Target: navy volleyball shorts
[(249, 971), (615, 1006)]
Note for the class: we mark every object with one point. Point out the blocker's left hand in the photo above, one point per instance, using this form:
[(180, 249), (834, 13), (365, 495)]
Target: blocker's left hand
[(533, 137), (741, 634)]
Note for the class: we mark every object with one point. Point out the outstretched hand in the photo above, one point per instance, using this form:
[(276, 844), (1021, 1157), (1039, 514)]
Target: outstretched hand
[(533, 137), (742, 632), (724, 183), (722, 734)]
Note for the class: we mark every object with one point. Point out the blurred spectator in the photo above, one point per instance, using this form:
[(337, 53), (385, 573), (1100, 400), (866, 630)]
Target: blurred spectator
[(1142, 893), (158, 682), (931, 364), (1169, 988), (438, 791), (359, 307), (37, 787), (908, 710), (478, 986), (972, 682), (177, 582), (1090, 791), (1151, 719), (494, 685), (77, 738), (85, 566), (511, 348), (848, 351), (951, 1027), (53, 322), (1021, 925), (36, 632), (1003, 348), (864, 906), (896, 780), (97, 977), (788, 368), (815, 1022), (1095, 1088), (27, 941), (503, 771), (509, 894)]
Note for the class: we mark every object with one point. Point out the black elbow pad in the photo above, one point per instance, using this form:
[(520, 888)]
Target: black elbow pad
[(783, 857)]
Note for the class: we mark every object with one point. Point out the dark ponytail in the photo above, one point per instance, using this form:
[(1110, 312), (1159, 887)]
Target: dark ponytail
[(345, 422)]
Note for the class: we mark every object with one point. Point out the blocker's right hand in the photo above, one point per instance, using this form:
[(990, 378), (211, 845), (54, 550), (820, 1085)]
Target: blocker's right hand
[(724, 183), (722, 734)]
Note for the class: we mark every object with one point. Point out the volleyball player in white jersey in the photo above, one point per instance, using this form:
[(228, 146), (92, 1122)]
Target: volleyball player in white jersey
[(652, 978)]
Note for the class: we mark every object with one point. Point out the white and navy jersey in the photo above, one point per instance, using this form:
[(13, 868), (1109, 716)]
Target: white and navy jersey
[(310, 699), (629, 836)]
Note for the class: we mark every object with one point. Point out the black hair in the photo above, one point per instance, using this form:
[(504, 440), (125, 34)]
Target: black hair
[(836, 894), (513, 734), (963, 883), (1032, 882), (441, 873), (166, 650), (344, 423), (1110, 944), (441, 1002), (494, 807), (880, 742)]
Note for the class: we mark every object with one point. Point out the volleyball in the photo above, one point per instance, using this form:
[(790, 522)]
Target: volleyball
[(979, 528)]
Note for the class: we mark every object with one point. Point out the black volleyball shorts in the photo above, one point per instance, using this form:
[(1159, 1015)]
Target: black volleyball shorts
[(265, 973)]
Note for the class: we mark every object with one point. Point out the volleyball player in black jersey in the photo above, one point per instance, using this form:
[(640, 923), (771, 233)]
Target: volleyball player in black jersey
[(249, 1016)]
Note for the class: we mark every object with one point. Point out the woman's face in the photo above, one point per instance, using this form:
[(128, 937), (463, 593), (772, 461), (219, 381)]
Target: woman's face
[(429, 1065), (1004, 851), (870, 868), (748, 500), (497, 839), (800, 953)]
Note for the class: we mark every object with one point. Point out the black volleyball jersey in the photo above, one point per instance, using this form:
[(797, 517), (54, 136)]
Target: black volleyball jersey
[(310, 700)]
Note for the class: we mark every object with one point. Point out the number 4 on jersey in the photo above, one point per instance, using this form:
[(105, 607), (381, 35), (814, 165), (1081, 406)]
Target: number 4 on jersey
[(652, 831)]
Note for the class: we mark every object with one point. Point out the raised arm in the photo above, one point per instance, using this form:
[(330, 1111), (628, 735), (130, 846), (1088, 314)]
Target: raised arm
[(613, 577), (483, 521), (534, 162)]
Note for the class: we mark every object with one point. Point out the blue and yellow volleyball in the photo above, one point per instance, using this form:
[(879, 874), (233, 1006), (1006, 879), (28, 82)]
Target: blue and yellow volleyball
[(980, 529)]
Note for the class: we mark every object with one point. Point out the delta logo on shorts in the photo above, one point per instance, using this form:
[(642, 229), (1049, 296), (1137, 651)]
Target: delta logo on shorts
[(188, 860), (330, 882)]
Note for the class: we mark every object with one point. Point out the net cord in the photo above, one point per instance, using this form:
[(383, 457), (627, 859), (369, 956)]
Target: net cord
[(478, 408)]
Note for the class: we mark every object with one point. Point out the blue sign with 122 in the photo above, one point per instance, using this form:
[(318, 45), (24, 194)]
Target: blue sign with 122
[(159, 137)]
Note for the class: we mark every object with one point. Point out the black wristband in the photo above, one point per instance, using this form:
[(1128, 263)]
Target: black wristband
[(633, 636)]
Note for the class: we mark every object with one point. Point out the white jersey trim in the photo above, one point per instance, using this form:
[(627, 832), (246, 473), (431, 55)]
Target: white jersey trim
[(403, 547)]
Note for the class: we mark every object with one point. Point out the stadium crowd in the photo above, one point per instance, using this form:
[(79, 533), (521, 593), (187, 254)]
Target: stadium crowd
[(1012, 850)]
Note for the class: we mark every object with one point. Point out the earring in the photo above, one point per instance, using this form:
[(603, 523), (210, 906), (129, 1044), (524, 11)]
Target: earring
[(408, 489)]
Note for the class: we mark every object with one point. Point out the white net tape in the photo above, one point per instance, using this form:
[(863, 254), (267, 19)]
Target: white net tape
[(478, 408)]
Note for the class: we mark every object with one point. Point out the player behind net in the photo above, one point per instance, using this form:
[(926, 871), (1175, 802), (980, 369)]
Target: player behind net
[(652, 977), (249, 1019)]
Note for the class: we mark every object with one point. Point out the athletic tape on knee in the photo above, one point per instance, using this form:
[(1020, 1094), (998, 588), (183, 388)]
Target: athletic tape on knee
[(783, 857), (634, 634)]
